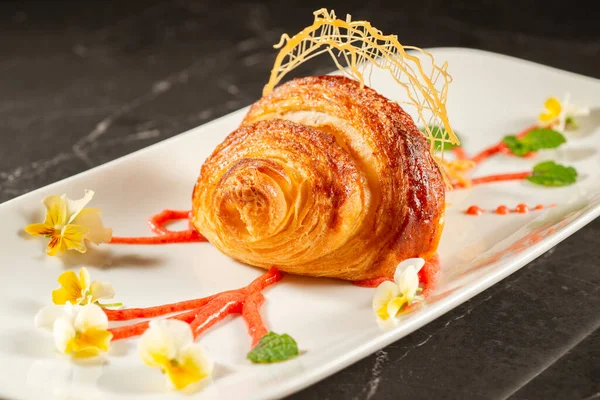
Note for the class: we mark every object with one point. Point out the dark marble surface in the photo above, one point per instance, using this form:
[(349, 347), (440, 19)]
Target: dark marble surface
[(82, 83)]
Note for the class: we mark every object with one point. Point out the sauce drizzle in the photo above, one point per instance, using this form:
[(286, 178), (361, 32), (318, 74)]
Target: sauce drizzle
[(164, 236), (515, 176), (522, 208), (500, 147), (205, 312), (459, 153), (474, 210), (504, 210)]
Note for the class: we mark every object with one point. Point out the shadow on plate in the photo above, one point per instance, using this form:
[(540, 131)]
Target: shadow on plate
[(587, 125), (23, 306), (64, 379), (106, 258), (27, 342), (121, 348), (573, 154), (140, 379)]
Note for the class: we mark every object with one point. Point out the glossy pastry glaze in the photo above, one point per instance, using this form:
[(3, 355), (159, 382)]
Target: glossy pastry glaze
[(323, 178)]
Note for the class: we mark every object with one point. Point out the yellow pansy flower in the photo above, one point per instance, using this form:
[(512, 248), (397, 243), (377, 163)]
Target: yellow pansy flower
[(78, 289), (68, 224), (169, 345), (391, 297), (552, 110), (561, 115), (80, 331)]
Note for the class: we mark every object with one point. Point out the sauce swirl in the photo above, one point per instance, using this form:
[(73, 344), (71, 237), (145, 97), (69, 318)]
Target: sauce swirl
[(163, 235)]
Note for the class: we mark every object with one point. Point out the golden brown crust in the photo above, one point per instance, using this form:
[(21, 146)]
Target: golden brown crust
[(323, 178)]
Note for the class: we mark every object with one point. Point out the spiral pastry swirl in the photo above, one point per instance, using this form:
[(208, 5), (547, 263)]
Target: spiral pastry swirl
[(323, 178)]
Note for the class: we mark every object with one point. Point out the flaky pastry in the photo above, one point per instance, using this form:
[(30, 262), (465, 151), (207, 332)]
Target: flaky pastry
[(324, 177)]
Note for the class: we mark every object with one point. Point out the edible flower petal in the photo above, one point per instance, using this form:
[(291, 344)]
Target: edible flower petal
[(79, 290), (169, 345), (91, 218), (72, 238), (74, 207), (407, 278), (552, 110), (562, 115), (68, 224), (80, 331), (384, 294), (392, 297)]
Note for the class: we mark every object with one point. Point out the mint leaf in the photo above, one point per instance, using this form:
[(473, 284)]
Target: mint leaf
[(515, 145), (439, 133), (549, 173), (537, 139), (543, 138), (272, 348)]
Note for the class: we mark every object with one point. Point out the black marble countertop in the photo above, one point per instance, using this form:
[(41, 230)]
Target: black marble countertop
[(82, 83)]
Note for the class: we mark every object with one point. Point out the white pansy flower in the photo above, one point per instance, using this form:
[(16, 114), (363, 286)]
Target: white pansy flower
[(562, 115), (80, 331), (391, 297), (169, 345)]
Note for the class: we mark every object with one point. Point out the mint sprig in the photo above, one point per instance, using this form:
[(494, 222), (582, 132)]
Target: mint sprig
[(537, 139), (273, 348), (549, 173), (438, 133)]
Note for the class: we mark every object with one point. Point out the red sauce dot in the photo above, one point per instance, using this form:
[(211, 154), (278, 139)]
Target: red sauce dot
[(539, 207), (474, 210), (522, 208), (502, 210)]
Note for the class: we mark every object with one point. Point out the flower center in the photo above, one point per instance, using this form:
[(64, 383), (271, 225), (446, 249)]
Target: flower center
[(85, 293)]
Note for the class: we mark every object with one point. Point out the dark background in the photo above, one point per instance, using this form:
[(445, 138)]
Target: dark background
[(84, 82)]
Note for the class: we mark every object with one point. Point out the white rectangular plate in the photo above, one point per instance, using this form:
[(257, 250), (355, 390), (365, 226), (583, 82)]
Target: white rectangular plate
[(332, 321)]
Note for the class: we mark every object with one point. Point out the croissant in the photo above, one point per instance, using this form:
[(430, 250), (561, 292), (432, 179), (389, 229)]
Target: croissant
[(324, 177)]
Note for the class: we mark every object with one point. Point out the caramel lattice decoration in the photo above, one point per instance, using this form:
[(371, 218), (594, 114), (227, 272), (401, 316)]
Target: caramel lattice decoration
[(356, 47)]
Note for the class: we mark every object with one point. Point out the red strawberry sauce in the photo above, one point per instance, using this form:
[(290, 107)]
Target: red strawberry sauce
[(164, 235), (205, 312)]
